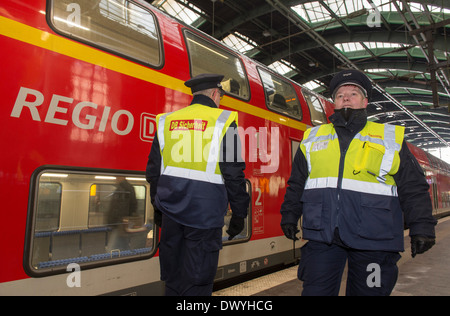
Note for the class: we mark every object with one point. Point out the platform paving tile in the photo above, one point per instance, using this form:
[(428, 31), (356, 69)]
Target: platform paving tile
[(426, 275)]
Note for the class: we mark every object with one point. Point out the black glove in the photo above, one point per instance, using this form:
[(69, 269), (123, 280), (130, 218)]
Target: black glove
[(236, 226), (420, 244), (290, 230)]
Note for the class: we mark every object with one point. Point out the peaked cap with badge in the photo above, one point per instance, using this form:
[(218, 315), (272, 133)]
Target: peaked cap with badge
[(351, 77), (204, 82)]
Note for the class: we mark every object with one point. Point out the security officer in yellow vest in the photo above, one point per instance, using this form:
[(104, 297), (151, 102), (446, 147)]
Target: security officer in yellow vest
[(195, 169), (356, 184)]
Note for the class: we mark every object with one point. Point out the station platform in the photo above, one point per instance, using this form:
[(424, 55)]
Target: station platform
[(426, 275)]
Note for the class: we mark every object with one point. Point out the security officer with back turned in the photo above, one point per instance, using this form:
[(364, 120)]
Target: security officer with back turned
[(195, 170), (356, 184)]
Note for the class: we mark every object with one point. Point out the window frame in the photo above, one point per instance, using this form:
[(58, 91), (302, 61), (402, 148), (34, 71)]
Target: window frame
[(49, 18), (309, 103), (220, 50), (284, 82), (32, 214), (58, 218), (249, 219), (91, 212)]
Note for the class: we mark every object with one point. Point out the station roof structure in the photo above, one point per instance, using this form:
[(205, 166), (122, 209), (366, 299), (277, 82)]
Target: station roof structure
[(403, 46)]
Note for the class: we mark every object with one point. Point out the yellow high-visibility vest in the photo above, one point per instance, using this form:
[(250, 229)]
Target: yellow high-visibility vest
[(370, 161), (190, 142)]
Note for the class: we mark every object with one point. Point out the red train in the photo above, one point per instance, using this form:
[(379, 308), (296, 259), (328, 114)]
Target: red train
[(82, 83)]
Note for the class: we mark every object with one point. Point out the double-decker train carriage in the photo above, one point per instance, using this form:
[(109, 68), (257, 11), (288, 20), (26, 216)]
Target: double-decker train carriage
[(82, 83), (437, 173)]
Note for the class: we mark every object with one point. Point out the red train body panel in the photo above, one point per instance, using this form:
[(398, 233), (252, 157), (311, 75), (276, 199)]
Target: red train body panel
[(68, 105)]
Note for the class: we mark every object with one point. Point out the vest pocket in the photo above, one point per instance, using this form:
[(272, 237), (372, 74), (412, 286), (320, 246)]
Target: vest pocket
[(312, 210), (377, 222), (369, 158)]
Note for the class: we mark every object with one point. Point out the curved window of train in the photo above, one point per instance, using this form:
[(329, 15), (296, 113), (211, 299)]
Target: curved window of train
[(280, 95), (120, 26), (318, 116), (48, 206), (206, 57), (246, 234), (90, 219)]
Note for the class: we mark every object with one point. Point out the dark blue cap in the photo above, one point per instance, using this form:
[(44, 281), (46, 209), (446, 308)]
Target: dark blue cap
[(351, 77), (204, 82)]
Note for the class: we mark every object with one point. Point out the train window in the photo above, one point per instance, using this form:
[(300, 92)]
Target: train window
[(48, 206), (89, 218), (208, 58), (111, 204), (120, 26), (280, 95), (318, 116), (247, 232)]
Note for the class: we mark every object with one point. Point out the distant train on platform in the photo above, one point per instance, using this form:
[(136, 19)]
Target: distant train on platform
[(82, 83)]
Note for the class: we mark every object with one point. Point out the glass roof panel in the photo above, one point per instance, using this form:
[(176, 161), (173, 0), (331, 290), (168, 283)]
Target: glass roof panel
[(355, 50), (282, 67), (239, 42), (312, 12), (387, 73), (356, 46), (178, 11), (315, 85), (315, 12)]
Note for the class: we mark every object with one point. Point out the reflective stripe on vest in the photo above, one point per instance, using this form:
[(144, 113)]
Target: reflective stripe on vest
[(383, 145), (209, 174), (352, 185)]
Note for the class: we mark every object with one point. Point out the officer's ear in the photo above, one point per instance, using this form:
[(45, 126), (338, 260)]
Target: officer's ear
[(216, 96), (211, 93), (365, 102)]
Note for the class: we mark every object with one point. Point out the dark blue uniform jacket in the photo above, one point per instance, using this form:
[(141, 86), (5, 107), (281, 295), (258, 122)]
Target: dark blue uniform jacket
[(199, 204), (371, 233)]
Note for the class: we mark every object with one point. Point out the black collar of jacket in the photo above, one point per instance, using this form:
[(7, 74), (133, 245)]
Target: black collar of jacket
[(356, 121), (346, 130), (203, 100)]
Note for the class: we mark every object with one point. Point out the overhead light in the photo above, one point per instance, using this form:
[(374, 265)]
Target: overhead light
[(105, 178), (135, 179), (55, 175), (266, 33)]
